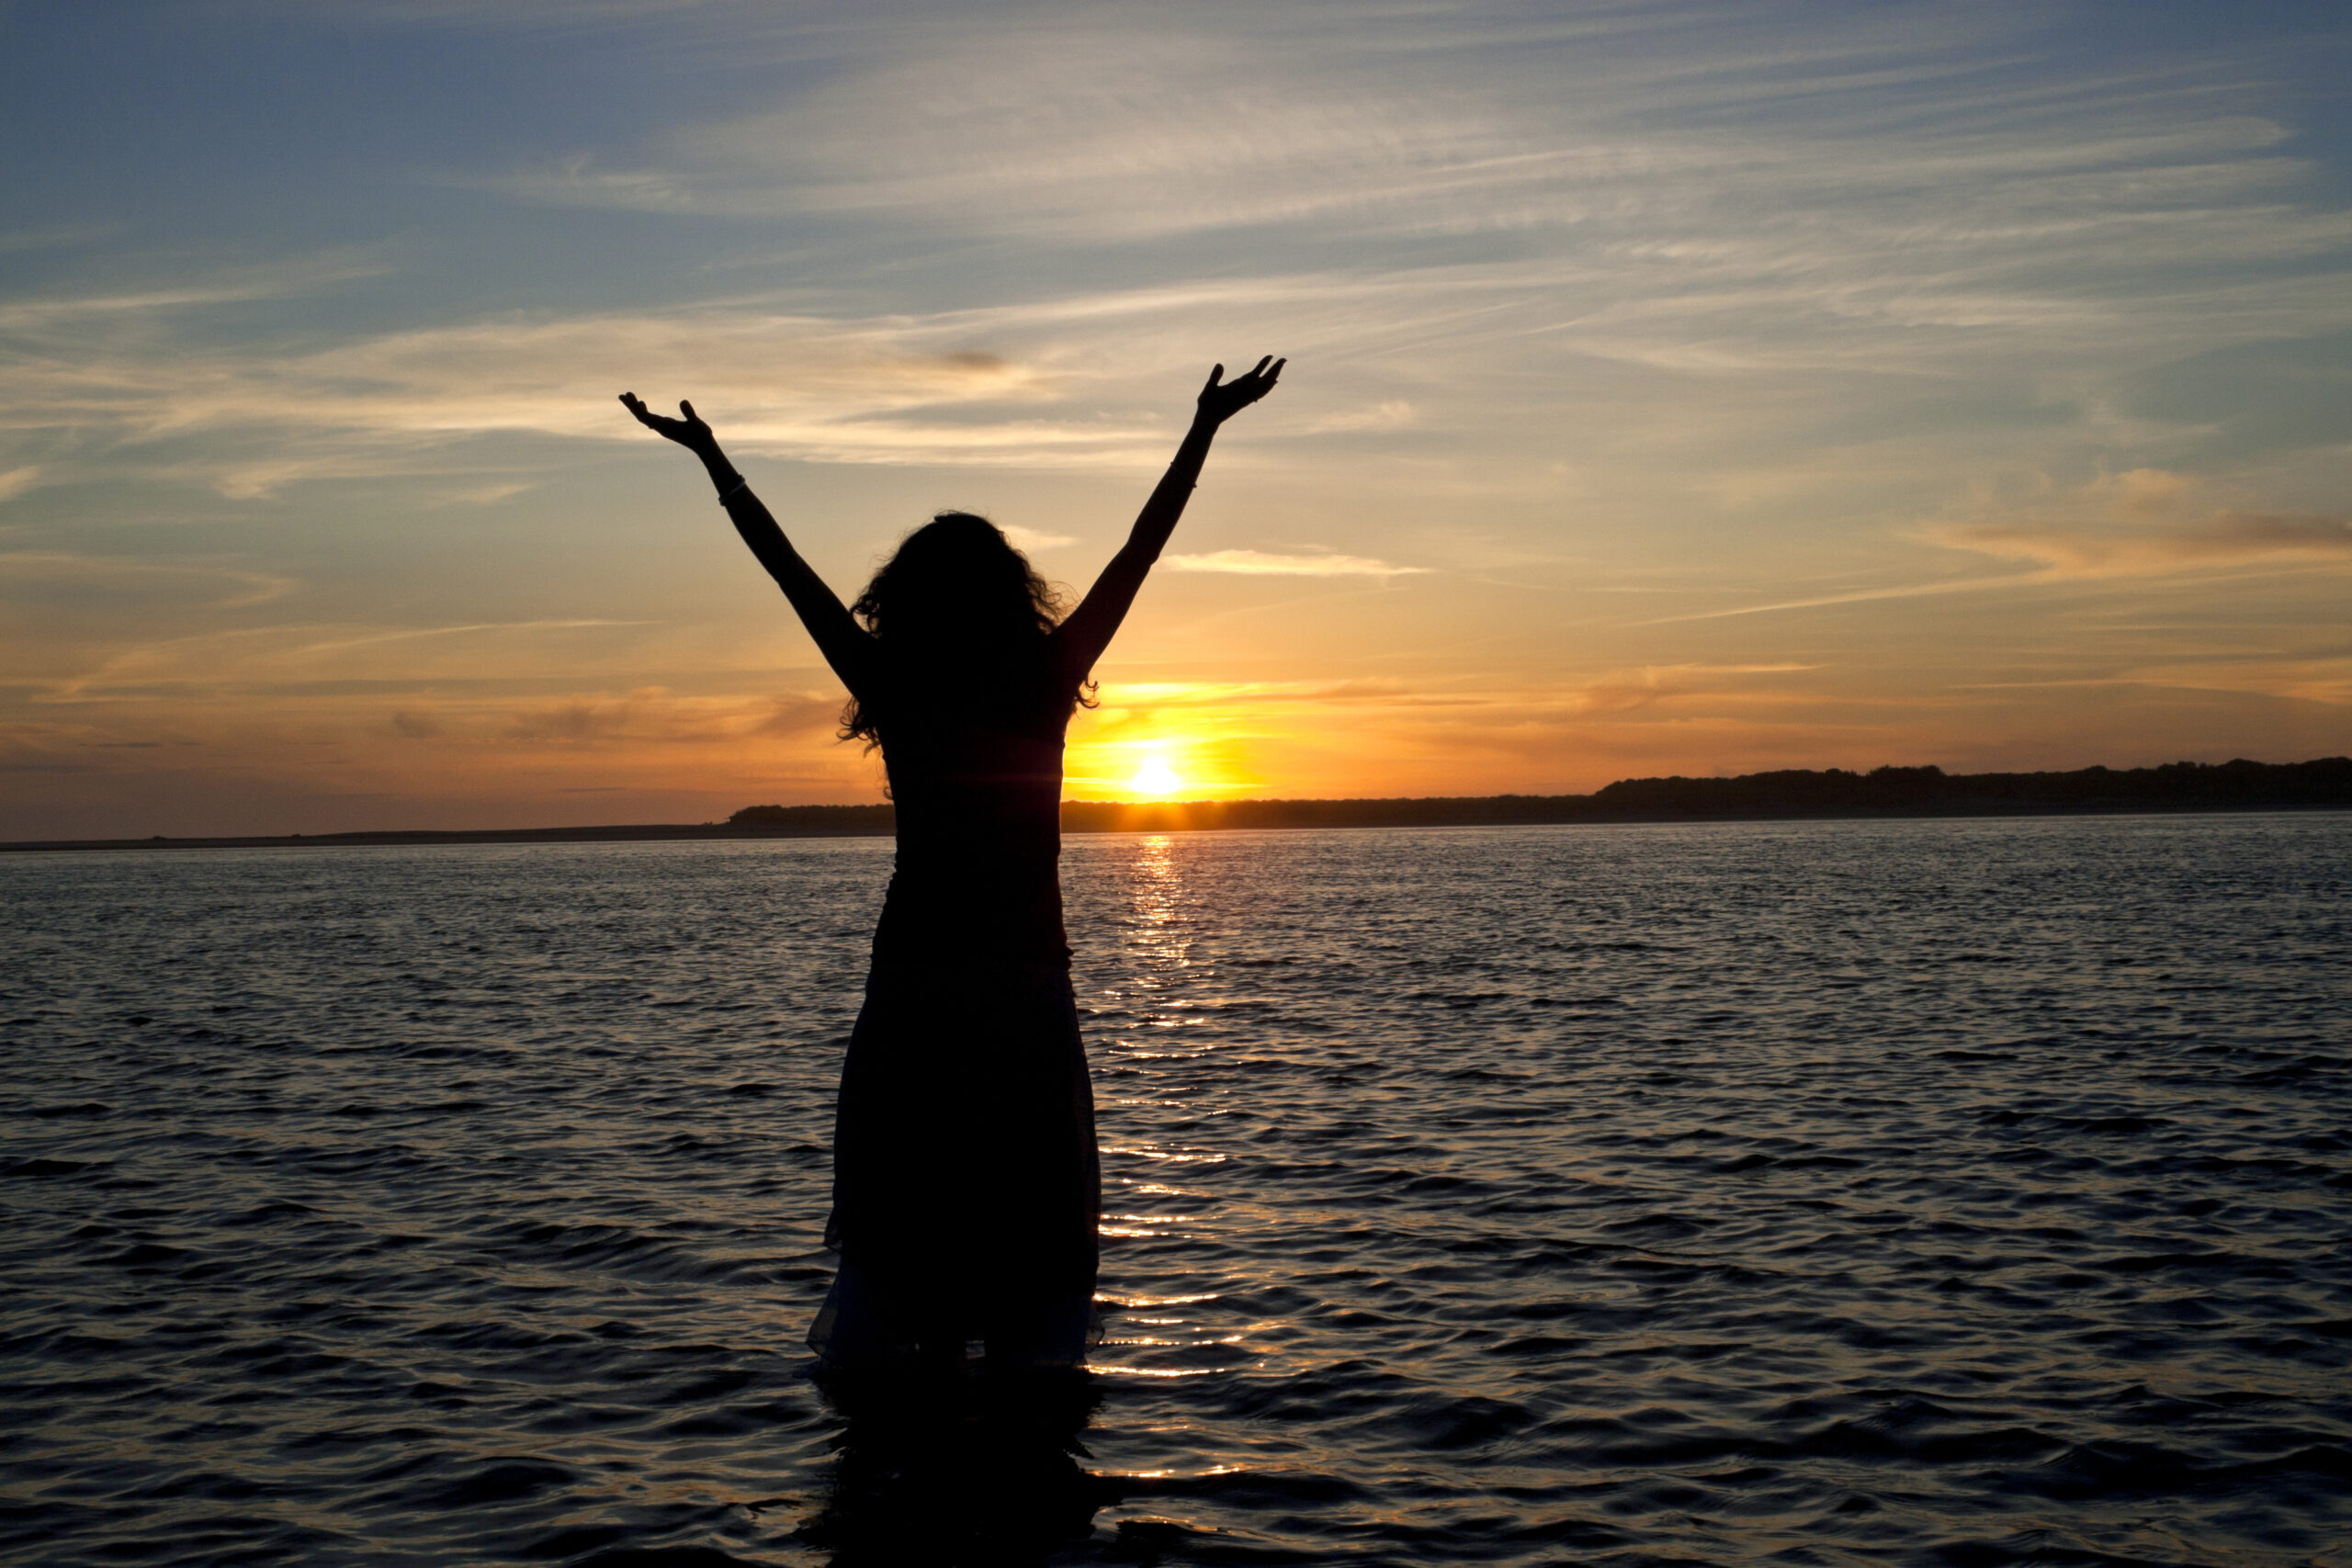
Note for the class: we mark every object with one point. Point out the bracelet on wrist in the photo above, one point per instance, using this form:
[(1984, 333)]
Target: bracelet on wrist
[(728, 493)]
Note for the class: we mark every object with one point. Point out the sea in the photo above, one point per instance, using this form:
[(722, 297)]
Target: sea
[(1954, 1193)]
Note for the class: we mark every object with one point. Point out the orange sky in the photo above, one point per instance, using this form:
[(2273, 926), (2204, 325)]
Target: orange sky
[(1667, 394)]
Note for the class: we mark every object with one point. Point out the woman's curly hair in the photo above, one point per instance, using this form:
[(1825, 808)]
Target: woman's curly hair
[(958, 608)]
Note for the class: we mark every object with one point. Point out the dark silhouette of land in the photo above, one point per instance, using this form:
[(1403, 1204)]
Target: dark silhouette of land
[(1795, 793), (2325, 784)]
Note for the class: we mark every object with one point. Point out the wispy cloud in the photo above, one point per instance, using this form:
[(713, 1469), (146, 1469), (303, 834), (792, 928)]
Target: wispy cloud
[(279, 660), (56, 236), (489, 494), (2143, 523), (1631, 691), (219, 586), (1393, 414), (1872, 201), (1262, 563), (887, 389), (1031, 539), (1854, 596), (1701, 202), (273, 280), (2229, 539), (648, 716), (344, 642), (2147, 522)]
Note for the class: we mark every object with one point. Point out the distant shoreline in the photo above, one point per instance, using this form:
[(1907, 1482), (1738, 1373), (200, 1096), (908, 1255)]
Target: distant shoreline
[(1835, 795)]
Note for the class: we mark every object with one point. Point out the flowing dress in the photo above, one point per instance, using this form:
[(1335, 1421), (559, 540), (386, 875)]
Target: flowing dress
[(967, 1184)]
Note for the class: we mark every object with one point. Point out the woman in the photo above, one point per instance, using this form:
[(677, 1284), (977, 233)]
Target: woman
[(966, 1187)]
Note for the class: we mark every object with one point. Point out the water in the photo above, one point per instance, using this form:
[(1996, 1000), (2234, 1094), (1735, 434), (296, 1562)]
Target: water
[(1925, 1192)]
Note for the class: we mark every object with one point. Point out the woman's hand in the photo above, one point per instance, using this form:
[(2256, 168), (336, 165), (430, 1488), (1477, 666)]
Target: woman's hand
[(1221, 402), (690, 433)]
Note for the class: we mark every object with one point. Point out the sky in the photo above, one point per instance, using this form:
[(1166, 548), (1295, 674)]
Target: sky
[(1673, 389)]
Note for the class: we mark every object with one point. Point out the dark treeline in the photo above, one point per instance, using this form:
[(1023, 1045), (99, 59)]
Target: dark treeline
[(1883, 792), (1892, 792), (2175, 786)]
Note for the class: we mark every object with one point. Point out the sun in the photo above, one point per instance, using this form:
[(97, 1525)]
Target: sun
[(1155, 777)]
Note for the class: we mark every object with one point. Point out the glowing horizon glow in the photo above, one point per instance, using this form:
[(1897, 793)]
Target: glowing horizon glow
[(1153, 776)]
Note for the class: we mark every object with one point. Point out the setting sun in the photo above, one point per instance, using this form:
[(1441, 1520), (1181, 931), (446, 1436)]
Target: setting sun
[(1155, 777)]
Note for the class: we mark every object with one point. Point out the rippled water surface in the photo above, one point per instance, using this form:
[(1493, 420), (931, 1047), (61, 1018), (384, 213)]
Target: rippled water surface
[(1936, 1192)]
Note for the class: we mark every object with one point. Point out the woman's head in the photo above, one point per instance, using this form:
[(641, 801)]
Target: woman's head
[(961, 612), (956, 584)]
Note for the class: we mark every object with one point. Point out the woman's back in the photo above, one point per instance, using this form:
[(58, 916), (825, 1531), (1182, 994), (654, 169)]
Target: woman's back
[(977, 783), (966, 1177)]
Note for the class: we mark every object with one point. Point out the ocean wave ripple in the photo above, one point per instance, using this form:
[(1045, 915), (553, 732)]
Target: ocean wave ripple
[(1947, 1194)]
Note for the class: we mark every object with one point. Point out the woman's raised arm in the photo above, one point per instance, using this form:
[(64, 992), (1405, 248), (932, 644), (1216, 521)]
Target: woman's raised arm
[(845, 643), (1091, 626)]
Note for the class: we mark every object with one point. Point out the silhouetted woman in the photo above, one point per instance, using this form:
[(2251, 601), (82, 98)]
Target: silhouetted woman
[(966, 1187)]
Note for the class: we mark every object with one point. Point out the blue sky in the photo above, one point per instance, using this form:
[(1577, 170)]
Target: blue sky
[(1674, 389)]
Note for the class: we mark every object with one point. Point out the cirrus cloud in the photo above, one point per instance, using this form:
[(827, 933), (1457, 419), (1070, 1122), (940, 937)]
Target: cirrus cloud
[(2147, 522), (1264, 563), (2229, 539)]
